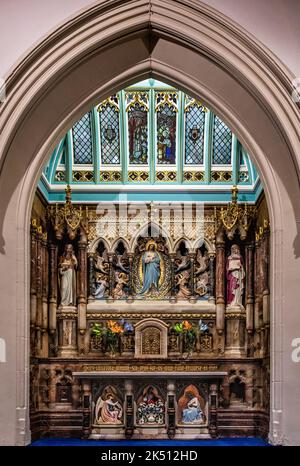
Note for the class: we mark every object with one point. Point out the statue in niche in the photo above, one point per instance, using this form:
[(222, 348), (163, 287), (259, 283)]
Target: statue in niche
[(182, 261), (121, 262), (151, 268), (101, 273), (150, 407), (101, 262), (109, 409), (191, 406), (67, 273), (201, 262), (182, 282), (100, 285), (235, 274), (121, 280), (201, 273), (202, 282)]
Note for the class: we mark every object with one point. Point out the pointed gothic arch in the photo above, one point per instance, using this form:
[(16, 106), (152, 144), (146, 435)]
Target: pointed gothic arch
[(183, 43)]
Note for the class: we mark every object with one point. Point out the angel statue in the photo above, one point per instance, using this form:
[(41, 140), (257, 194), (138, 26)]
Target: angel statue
[(201, 273), (100, 285), (201, 262), (121, 280), (101, 263), (182, 280), (121, 262), (191, 406), (151, 267), (182, 262), (202, 281), (109, 409)]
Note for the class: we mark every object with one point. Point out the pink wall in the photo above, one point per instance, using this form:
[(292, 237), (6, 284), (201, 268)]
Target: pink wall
[(274, 22)]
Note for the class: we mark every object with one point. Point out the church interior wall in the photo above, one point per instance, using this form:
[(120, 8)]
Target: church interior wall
[(39, 110)]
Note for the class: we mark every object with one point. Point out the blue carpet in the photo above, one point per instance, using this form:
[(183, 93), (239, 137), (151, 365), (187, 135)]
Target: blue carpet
[(224, 442)]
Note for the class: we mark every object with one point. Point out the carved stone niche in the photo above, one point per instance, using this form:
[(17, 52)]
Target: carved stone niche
[(151, 339)]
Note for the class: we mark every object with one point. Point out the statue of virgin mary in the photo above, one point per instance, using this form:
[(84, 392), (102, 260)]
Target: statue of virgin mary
[(151, 268)]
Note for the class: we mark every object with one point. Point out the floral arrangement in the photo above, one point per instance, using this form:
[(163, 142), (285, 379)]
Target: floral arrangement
[(111, 331), (189, 331)]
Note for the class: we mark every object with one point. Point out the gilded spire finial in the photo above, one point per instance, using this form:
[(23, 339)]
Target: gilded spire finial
[(68, 194), (234, 194)]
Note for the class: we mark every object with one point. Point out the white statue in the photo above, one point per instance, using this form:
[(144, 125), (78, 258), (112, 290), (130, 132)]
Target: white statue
[(67, 266), (235, 274)]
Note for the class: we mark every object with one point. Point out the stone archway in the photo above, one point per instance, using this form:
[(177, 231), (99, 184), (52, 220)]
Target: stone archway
[(184, 43)]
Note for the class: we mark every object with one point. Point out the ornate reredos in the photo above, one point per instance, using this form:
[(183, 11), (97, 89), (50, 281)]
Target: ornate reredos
[(174, 222)]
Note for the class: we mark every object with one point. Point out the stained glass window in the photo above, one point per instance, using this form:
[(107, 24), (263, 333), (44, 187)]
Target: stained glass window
[(166, 109), (137, 114), (221, 143), (194, 134), (82, 141), (109, 132)]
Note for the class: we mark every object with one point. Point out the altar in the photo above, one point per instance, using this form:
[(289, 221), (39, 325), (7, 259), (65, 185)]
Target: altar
[(151, 334), (156, 401)]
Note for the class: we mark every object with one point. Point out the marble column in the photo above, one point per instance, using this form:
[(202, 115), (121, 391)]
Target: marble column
[(130, 298), (265, 279), (91, 277), (212, 278), (33, 254), (86, 424), (111, 277), (171, 412), (173, 290), (249, 287), (193, 298), (52, 287), (257, 285), (220, 287), (45, 291), (82, 285), (213, 398), (33, 304), (257, 299), (39, 291), (129, 409)]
